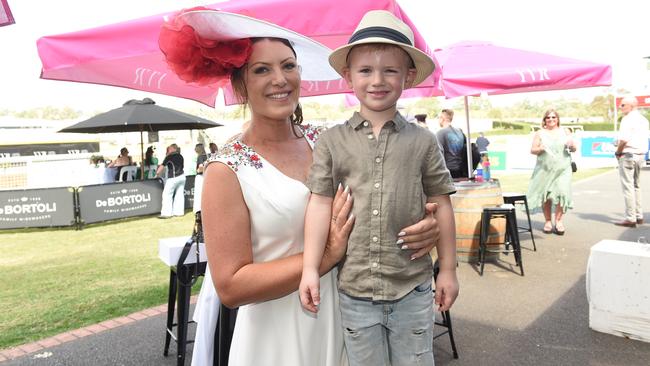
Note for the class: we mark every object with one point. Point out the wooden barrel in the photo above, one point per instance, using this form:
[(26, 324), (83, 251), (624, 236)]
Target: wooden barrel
[(468, 202)]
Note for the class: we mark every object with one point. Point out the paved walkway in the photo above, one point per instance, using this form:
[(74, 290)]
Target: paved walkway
[(499, 319)]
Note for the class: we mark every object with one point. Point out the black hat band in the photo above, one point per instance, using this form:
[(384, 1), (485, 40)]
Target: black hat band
[(380, 32)]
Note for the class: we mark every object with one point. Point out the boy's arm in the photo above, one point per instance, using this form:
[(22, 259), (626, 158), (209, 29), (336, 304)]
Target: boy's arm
[(317, 225), (447, 283)]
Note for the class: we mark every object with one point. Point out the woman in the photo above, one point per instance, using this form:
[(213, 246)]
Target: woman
[(550, 184), (124, 159), (253, 206)]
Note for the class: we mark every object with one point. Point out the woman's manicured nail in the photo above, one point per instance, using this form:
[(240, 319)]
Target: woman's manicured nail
[(400, 241), (401, 233), (339, 187), (405, 246), (346, 189), (348, 198)]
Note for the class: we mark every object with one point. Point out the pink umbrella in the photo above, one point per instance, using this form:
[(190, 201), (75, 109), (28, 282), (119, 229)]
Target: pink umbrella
[(473, 68), (127, 55)]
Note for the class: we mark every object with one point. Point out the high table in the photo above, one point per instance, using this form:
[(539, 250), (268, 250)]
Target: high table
[(618, 289)]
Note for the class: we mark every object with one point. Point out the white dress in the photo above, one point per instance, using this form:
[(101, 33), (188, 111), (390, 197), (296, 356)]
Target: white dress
[(275, 332)]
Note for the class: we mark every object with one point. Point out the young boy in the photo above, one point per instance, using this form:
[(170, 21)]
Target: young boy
[(392, 167)]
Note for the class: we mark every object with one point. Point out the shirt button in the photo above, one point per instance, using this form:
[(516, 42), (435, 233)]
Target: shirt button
[(378, 160), (375, 239), (370, 137), (375, 264), (375, 212), (365, 124), (377, 185)]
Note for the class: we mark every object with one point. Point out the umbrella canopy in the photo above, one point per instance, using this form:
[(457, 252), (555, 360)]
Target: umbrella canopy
[(140, 115), (474, 68), (127, 54)]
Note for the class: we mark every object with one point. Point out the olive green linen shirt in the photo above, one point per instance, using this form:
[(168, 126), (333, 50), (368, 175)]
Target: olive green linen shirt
[(390, 177)]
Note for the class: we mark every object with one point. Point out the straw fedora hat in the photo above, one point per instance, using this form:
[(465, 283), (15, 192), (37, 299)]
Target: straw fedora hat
[(224, 26), (381, 26)]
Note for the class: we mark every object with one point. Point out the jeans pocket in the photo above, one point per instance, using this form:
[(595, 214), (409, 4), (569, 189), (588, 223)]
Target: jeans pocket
[(423, 288)]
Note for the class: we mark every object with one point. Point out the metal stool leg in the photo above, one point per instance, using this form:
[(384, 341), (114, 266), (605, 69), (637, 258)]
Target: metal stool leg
[(446, 316), (182, 315), (530, 225), (485, 227), (171, 303), (514, 237)]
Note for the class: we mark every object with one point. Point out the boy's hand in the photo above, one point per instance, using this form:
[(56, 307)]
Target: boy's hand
[(309, 290), (446, 289), (423, 235)]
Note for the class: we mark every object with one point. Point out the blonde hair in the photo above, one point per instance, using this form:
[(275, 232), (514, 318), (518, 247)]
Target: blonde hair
[(549, 111)]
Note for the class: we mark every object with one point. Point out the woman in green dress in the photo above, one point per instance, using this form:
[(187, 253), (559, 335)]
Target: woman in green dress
[(550, 184)]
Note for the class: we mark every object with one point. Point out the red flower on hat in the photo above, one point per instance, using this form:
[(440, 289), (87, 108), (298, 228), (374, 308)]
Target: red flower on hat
[(200, 60)]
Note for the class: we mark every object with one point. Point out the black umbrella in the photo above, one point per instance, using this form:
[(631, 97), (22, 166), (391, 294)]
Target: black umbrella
[(140, 115)]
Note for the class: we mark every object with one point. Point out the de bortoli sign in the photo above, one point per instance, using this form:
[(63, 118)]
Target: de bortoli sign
[(37, 208), (114, 201)]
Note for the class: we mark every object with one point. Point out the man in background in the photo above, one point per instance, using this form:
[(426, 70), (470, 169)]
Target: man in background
[(452, 142), (631, 147), (482, 143)]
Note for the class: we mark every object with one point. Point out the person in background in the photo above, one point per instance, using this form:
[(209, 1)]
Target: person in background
[(550, 184), (452, 142), (385, 292), (631, 147), (213, 150), (422, 120), (201, 158), (482, 143), (149, 158), (150, 163), (173, 196), (124, 159)]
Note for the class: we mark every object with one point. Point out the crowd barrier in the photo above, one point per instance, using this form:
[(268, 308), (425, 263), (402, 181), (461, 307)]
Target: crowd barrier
[(78, 206)]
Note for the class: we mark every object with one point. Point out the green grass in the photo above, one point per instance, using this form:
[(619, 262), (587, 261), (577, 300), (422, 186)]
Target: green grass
[(54, 280), (519, 182)]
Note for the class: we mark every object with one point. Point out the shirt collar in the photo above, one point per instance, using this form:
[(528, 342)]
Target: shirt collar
[(398, 121)]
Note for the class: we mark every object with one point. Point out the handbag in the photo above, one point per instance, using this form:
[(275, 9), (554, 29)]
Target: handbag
[(574, 167)]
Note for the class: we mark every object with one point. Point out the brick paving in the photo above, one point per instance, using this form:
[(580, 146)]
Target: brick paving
[(25, 349)]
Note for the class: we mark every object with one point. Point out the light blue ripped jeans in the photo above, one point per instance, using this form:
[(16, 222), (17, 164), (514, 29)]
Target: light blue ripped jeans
[(397, 333)]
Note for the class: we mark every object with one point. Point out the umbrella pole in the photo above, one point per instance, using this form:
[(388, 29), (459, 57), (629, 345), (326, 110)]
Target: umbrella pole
[(141, 156), (469, 141)]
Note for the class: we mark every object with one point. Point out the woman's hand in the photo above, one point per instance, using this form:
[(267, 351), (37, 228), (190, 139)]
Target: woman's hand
[(421, 236), (340, 228)]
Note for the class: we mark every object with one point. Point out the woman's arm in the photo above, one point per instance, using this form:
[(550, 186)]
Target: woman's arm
[(537, 147), (570, 144), (237, 278), (423, 235)]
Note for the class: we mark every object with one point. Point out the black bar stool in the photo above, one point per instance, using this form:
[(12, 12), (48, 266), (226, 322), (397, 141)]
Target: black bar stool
[(446, 317), (181, 279), (506, 211), (520, 199)]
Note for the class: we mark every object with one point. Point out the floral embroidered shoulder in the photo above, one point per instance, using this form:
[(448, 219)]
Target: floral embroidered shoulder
[(236, 154)]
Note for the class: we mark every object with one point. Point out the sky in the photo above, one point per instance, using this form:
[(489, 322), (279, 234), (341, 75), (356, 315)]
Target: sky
[(612, 32)]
